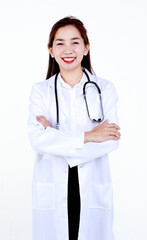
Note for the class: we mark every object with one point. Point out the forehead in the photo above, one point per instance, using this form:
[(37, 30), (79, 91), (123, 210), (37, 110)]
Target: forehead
[(67, 32)]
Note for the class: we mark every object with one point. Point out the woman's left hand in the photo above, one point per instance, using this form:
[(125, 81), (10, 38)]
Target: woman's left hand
[(43, 120)]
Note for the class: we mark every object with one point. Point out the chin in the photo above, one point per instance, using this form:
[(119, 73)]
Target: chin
[(70, 68)]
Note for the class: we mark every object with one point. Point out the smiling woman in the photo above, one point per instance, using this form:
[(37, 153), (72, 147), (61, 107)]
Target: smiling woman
[(72, 190), (80, 35), (68, 50)]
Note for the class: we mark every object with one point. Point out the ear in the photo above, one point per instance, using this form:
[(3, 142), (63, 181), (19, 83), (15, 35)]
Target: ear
[(87, 47), (51, 51)]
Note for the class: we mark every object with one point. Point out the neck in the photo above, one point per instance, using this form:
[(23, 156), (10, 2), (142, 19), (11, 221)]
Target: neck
[(72, 77)]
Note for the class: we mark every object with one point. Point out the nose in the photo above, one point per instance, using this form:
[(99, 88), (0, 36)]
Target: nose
[(68, 49)]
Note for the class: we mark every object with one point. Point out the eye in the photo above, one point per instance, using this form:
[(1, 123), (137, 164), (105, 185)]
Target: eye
[(59, 44), (75, 42)]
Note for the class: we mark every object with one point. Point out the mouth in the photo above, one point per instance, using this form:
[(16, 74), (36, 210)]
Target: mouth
[(69, 59)]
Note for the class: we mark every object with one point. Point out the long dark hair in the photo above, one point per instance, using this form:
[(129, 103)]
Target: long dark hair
[(53, 66)]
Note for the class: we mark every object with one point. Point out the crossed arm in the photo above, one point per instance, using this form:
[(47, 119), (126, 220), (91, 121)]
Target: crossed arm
[(101, 133), (76, 148)]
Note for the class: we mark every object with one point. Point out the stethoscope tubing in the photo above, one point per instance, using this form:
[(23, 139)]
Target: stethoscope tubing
[(84, 93)]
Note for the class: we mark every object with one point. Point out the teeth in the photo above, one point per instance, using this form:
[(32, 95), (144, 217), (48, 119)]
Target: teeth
[(68, 59)]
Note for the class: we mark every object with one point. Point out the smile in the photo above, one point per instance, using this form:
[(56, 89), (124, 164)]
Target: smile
[(68, 59)]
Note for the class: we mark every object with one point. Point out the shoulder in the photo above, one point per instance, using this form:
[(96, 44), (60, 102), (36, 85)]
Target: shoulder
[(103, 83), (107, 88), (42, 89), (44, 85)]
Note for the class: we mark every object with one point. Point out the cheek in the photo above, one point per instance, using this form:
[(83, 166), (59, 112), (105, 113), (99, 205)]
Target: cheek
[(79, 51), (57, 52), (80, 55)]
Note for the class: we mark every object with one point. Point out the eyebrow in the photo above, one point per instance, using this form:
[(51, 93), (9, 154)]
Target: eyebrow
[(60, 39)]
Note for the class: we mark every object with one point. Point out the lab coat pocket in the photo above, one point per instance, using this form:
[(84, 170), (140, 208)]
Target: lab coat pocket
[(100, 196), (43, 196)]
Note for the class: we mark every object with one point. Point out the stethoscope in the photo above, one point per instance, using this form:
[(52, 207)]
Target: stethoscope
[(99, 120)]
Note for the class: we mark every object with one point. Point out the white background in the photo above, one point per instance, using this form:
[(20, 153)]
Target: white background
[(118, 34)]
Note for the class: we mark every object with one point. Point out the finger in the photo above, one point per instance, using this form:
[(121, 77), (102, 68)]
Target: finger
[(112, 131), (112, 137), (38, 118), (113, 125), (115, 134), (45, 120), (115, 131), (105, 122), (41, 118), (40, 121)]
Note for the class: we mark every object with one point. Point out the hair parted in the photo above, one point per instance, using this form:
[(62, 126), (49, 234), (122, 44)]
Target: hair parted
[(53, 66)]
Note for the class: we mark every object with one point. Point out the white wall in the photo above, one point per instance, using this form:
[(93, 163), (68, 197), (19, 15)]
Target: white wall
[(117, 32)]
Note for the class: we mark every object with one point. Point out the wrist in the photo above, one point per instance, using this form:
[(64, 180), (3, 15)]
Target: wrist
[(87, 137)]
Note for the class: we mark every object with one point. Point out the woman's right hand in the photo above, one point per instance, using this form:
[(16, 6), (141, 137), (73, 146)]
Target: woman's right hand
[(43, 120), (103, 132)]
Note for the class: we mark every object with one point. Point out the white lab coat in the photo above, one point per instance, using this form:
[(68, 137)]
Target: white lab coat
[(55, 150)]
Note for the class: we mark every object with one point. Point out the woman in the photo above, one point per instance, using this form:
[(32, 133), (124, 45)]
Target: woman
[(72, 190)]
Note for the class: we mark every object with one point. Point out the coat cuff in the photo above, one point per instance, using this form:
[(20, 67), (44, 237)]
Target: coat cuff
[(80, 141)]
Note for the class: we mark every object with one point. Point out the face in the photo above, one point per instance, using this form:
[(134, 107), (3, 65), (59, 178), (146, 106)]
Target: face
[(68, 48)]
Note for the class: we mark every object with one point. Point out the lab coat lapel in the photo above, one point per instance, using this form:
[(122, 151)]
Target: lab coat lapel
[(61, 100)]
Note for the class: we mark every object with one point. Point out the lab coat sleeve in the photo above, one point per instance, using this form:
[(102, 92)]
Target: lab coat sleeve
[(49, 140), (91, 150)]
